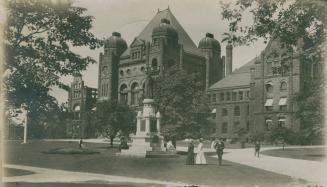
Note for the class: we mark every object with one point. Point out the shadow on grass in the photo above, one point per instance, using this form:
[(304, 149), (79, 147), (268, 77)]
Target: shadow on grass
[(70, 151), (11, 172)]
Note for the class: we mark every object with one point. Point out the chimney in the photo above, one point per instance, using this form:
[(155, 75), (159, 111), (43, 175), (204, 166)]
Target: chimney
[(223, 60), (229, 59)]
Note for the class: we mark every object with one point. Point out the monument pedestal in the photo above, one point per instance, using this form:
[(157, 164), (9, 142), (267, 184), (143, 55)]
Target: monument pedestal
[(147, 140)]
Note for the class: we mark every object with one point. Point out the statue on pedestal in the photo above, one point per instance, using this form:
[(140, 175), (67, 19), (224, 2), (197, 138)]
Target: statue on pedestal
[(149, 87)]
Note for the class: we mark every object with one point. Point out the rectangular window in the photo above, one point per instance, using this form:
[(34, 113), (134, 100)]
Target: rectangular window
[(248, 109), (269, 124), (283, 108), (236, 125), (247, 94), (224, 128), (240, 95), (228, 96), (281, 122), (222, 96), (237, 111), (224, 112), (234, 96), (214, 99), (209, 98), (247, 125)]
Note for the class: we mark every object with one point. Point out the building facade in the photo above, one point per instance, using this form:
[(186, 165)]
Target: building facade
[(81, 99), (259, 96), (122, 68), (162, 43)]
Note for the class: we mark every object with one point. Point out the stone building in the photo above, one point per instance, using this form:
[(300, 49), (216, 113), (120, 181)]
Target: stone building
[(81, 99), (162, 43), (259, 96)]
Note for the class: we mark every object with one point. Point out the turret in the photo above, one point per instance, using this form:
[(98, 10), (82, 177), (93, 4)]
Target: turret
[(229, 59), (210, 47), (166, 31), (114, 46), (164, 47), (115, 43)]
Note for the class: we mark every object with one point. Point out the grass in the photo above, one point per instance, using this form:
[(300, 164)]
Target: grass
[(169, 169), (70, 150), (25, 184), (316, 154)]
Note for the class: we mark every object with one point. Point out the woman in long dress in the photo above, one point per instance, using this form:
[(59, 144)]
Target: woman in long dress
[(200, 159), (190, 154)]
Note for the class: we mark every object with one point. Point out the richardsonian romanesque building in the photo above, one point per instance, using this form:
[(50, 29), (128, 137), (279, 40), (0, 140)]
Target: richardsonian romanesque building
[(256, 97), (162, 44), (260, 95)]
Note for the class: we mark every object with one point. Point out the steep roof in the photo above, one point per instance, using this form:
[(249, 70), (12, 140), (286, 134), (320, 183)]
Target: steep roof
[(183, 37), (239, 77)]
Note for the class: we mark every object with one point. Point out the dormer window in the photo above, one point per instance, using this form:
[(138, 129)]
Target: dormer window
[(136, 54)]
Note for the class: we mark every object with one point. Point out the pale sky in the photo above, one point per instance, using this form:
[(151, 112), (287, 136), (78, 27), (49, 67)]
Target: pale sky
[(129, 17)]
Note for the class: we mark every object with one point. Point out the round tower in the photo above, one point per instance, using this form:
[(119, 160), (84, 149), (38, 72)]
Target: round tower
[(115, 43), (164, 46), (165, 30), (114, 47), (210, 47)]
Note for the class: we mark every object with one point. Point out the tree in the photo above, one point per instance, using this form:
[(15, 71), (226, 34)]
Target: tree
[(241, 134), (299, 25), (180, 98), (281, 134), (111, 117), (39, 38)]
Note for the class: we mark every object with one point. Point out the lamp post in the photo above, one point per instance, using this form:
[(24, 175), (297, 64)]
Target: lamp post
[(24, 114)]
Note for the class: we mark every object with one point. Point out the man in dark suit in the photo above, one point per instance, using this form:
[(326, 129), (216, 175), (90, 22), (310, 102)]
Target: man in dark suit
[(219, 146)]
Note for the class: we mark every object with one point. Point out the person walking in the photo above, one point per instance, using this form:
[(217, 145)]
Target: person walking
[(190, 154), (256, 148), (200, 158), (80, 143), (219, 146)]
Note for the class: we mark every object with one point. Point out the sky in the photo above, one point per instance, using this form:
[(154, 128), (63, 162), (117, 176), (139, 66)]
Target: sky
[(129, 17)]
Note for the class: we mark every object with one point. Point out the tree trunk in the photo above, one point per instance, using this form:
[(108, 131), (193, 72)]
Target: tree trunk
[(111, 141)]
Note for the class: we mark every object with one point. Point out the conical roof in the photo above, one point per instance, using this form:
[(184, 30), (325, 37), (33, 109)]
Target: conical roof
[(183, 37)]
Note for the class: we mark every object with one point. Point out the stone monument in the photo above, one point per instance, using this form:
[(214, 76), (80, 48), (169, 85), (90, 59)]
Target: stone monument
[(147, 137), (147, 141)]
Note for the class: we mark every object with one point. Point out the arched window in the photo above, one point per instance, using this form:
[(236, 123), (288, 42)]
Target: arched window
[(123, 94), (283, 86), (76, 112), (154, 64), (135, 92), (269, 88)]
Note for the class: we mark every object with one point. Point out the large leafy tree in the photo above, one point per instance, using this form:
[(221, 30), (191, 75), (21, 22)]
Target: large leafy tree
[(298, 25), (111, 118), (180, 97), (39, 38)]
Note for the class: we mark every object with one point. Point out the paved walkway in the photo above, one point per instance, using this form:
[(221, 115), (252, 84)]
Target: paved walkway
[(311, 171), (44, 175)]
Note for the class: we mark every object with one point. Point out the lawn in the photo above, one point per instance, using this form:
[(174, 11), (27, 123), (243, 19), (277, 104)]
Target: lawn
[(171, 169), (316, 154)]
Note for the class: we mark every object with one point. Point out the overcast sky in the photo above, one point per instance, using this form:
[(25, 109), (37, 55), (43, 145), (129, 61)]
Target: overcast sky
[(129, 17)]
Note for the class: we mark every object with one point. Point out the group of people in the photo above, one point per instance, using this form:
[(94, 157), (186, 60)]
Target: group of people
[(218, 145), (199, 158)]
